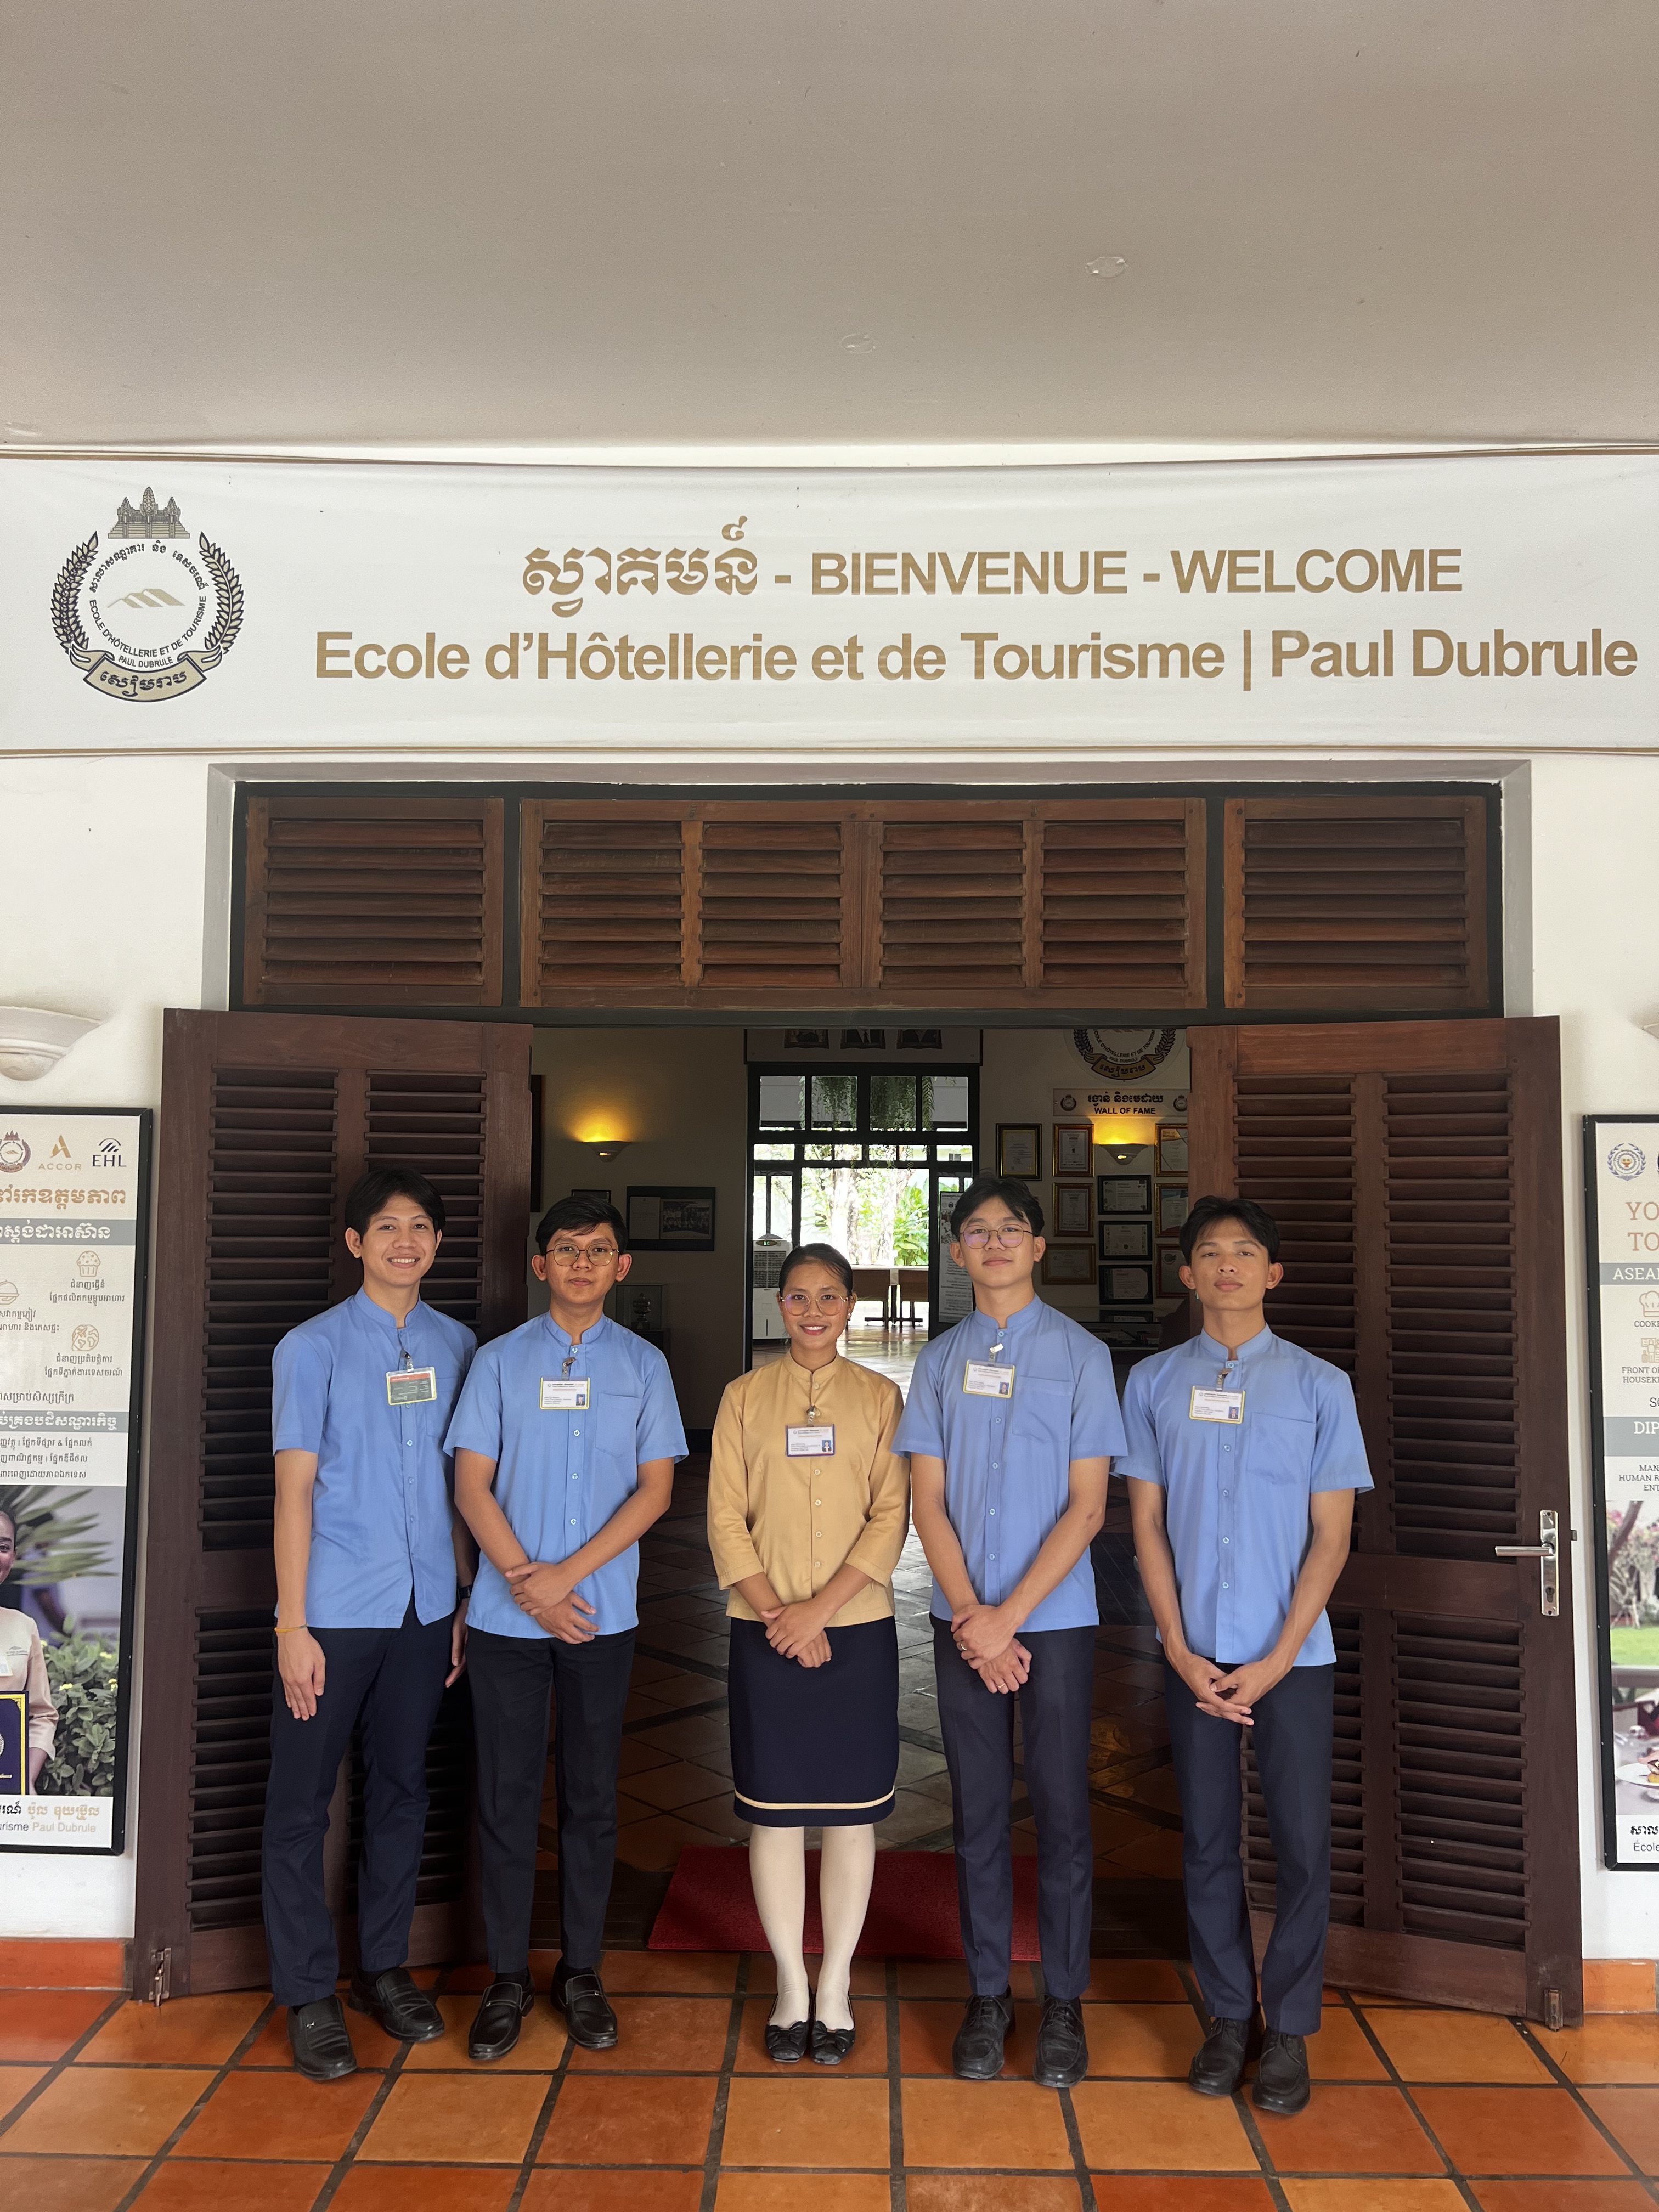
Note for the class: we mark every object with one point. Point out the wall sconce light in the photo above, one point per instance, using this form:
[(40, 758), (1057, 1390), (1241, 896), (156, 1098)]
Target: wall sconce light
[(607, 1148), (1121, 1155), (1122, 1138), (32, 1040)]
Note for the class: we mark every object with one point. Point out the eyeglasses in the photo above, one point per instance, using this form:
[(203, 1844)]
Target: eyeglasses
[(827, 1301), (1006, 1232), (567, 1255)]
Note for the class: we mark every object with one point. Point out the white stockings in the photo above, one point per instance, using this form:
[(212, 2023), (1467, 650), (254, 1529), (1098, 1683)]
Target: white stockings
[(777, 1867)]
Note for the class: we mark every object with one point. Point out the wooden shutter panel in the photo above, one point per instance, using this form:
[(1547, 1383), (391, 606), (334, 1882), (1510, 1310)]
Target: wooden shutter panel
[(953, 892), (1376, 902), (267, 1119), (603, 904), (773, 904), (367, 902), (1415, 1170), (1121, 904)]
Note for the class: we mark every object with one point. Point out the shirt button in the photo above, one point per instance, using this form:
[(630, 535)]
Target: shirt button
[(573, 1520), (1226, 1585), (575, 1432), (994, 1513), (1226, 1540), (992, 1555)]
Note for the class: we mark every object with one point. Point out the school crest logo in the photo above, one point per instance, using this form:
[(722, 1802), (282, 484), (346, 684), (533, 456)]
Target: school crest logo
[(1124, 1055), (14, 1152), (152, 614), (1626, 1162)]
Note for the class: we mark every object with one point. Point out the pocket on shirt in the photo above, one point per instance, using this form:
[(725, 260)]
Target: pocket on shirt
[(619, 1428), (1280, 1447), (1042, 1411)]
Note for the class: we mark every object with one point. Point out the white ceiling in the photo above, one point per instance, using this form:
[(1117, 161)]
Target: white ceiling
[(587, 224)]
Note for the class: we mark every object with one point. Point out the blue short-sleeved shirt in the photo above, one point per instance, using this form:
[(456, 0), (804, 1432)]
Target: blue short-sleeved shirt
[(381, 1511), (560, 1476), (1007, 1463), (1235, 1504)]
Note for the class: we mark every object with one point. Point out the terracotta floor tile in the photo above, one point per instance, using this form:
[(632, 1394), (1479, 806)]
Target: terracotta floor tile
[(188, 2032), (70, 2184), (661, 2120), (1350, 2127), (1456, 2046), (1562, 2196), (824, 2122), (540, 2046), (436, 2189), (486, 2118), (702, 1740), (927, 2028), (717, 1815), (1632, 2115), (1160, 2125), (984, 2123), (991, 2192), (15, 2082), (663, 2189), (374, 2047), (948, 1978), (109, 2112), (267, 2114), (1135, 1981), (867, 2056), (189, 2185), (1531, 2132), (1186, 2192), (1153, 2039), (1341, 2051), (1608, 2047), (665, 2035), (638, 1757), (683, 1974), (685, 1689), (41, 2024), (677, 1783), (654, 1846), (1373, 2195), (1156, 1854), (807, 2192)]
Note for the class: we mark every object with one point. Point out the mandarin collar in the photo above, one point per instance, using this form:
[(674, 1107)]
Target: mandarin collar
[(560, 1336), (1253, 1348), (377, 1316), (1016, 1324)]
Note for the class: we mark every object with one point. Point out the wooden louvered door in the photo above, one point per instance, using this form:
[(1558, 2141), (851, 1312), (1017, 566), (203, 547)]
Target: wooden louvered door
[(1415, 1169), (266, 1121)]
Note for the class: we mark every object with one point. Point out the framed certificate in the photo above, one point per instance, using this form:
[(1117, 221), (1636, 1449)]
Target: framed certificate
[(1074, 1147), (1126, 1240), (1171, 1208), (1074, 1210), (1126, 1286), (1171, 1149), (1019, 1150), (1124, 1193), (1068, 1263), (1170, 1264)]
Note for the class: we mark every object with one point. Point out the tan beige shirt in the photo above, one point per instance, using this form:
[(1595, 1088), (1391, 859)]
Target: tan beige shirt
[(799, 1520), (23, 1666)]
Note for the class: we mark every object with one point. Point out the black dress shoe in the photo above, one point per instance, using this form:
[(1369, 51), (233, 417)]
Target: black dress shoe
[(495, 2028), (1062, 2050), (1281, 2077), (1218, 2066), (403, 2011), (977, 2054), (579, 1996), (831, 2045), (317, 2034), (787, 2046)]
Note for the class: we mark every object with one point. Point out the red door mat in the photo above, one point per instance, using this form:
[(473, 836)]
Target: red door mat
[(912, 1906)]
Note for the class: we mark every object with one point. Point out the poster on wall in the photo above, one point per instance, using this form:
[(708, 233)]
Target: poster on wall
[(74, 1214), (1621, 1185)]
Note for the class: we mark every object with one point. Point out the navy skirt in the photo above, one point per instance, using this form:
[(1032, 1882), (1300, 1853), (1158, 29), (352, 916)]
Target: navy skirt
[(814, 1746)]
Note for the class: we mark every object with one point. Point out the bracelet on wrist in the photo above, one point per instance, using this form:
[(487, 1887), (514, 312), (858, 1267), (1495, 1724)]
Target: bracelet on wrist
[(296, 1630)]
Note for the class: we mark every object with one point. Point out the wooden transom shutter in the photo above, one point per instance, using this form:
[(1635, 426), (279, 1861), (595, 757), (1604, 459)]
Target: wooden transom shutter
[(369, 901), (266, 1121), (1415, 1171), (1377, 900)]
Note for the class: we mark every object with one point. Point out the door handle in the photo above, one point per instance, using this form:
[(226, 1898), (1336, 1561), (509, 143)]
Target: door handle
[(1548, 1552)]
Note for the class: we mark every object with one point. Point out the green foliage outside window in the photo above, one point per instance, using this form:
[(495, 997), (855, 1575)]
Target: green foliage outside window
[(81, 1670)]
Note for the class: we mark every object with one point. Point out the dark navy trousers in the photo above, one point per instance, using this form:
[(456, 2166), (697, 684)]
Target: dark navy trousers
[(1291, 1737), (978, 1728), (394, 1679)]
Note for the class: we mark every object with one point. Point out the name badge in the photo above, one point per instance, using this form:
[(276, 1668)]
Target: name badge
[(810, 1443), (412, 1386), (563, 1394), (985, 1380), (1226, 1407)]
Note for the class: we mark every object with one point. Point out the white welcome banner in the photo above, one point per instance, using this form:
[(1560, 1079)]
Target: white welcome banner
[(1503, 603)]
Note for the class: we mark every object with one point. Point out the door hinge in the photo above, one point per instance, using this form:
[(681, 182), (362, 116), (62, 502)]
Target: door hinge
[(159, 1986), (1552, 2011)]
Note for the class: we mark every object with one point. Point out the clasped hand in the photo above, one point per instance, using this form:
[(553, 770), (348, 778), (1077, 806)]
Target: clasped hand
[(546, 1594), (985, 1636), (1229, 1693), (798, 1632)]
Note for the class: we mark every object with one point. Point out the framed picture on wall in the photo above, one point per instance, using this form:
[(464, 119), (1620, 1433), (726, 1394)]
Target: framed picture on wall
[(1171, 1208), (1121, 1194), (1074, 1147), (604, 1196), (1069, 1263), (1171, 1149), (1074, 1210), (1019, 1150), (1126, 1286), (1126, 1240), (670, 1217), (1170, 1265)]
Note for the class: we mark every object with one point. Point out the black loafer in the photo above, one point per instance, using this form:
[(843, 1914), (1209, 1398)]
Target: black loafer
[(1218, 2066), (579, 1996), (787, 2046), (1062, 2050), (321, 2046), (1281, 2077), (977, 2054), (403, 2011), (831, 2045), (495, 2028)]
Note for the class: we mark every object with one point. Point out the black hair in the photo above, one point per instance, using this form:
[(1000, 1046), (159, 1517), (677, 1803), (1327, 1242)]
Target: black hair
[(825, 1255), (580, 1211), (1204, 1212), (1012, 1192), (370, 1193)]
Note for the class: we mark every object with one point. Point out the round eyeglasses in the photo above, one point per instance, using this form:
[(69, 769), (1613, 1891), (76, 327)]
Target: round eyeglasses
[(1005, 1233), (567, 1255), (826, 1302)]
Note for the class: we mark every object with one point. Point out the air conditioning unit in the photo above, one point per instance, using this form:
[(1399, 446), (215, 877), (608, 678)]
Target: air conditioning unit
[(766, 1322)]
